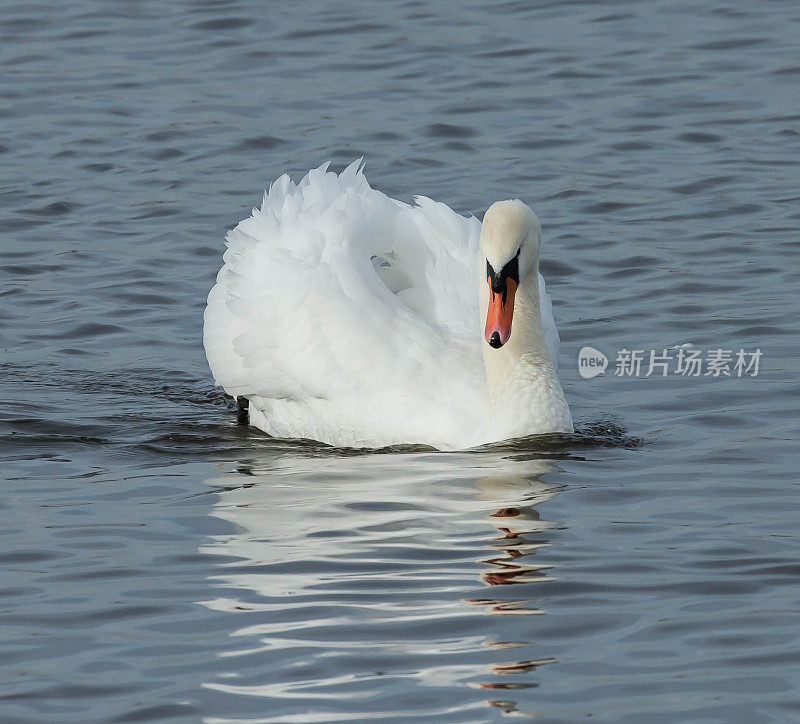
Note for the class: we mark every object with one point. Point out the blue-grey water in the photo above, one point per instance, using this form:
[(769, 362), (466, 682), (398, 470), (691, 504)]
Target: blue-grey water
[(159, 562)]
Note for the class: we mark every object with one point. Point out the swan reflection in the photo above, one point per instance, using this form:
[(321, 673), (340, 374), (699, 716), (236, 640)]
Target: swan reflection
[(349, 577)]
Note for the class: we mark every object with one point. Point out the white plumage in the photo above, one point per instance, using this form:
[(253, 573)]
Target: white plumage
[(348, 317)]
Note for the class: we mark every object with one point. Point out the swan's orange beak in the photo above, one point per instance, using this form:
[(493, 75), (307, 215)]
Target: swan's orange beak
[(501, 311)]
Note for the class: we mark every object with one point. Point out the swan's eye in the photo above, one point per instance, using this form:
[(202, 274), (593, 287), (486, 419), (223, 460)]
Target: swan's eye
[(511, 270)]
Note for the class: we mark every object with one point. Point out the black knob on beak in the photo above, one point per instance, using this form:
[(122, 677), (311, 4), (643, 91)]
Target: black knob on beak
[(494, 341)]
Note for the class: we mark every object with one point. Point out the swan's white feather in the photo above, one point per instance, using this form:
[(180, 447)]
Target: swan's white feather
[(352, 318)]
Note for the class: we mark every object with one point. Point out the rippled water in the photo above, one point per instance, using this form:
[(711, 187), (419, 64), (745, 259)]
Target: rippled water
[(159, 562)]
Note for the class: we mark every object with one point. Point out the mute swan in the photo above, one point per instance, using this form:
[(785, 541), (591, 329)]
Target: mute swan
[(351, 318)]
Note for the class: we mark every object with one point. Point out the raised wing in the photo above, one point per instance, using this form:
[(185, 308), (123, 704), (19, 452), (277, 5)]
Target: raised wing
[(299, 312)]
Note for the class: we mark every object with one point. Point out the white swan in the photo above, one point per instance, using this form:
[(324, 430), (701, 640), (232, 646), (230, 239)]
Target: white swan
[(351, 318)]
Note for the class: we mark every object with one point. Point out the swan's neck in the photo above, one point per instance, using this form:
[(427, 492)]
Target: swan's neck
[(524, 390)]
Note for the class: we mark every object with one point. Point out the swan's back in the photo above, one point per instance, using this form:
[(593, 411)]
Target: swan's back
[(301, 322)]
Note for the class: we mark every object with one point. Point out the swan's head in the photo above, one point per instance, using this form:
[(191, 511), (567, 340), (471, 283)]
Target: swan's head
[(510, 241)]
